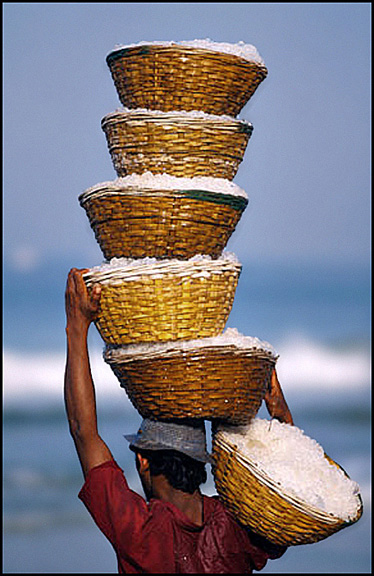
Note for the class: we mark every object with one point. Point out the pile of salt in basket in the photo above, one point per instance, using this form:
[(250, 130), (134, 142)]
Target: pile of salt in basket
[(281, 483), (163, 216), (178, 143), (222, 378), (215, 77), (150, 300)]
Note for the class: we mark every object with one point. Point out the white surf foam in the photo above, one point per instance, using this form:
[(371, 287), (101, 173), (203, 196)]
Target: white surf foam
[(41, 376), (302, 364)]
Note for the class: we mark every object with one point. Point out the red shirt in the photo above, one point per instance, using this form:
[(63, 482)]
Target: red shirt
[(158, 538)]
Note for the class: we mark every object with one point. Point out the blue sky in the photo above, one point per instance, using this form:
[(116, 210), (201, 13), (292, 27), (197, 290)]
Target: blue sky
[(307, 166)]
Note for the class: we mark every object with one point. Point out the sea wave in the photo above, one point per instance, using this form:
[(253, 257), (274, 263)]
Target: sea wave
[(303, 363), (306, 363), (40, 376), (31, 521)]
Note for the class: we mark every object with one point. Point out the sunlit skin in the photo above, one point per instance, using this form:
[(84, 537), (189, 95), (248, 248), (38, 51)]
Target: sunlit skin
[(275, 401)]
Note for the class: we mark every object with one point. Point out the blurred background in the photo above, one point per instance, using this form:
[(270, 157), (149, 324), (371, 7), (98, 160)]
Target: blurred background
[(304, 243)]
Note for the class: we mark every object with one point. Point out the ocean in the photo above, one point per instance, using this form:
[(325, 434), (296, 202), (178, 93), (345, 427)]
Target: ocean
[(317, 317)]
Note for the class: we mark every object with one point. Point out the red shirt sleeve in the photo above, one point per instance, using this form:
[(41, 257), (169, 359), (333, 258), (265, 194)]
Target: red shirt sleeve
[(139, 532)]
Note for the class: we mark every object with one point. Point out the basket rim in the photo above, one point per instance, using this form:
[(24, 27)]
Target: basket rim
[(117, 277), (192, 118), (146, 48), (112, 353), (296, 502), (126, 269), (150, 181), (235, 201)]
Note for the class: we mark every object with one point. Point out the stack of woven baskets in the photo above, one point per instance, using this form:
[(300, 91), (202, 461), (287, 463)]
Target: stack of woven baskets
[(167, 284)]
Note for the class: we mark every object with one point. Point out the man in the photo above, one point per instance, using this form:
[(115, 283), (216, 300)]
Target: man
[(178, 530)]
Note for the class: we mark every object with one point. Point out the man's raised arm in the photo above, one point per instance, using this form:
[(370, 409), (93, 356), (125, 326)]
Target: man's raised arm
[(79, 392)]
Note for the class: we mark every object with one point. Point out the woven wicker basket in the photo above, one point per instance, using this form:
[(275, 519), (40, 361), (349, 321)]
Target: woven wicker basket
[(214, 382), (135, 223), (259, 503), (184, 78), (180, 144), (166, 300)]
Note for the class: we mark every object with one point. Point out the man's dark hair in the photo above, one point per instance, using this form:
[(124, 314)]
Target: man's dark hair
[(182, 472)]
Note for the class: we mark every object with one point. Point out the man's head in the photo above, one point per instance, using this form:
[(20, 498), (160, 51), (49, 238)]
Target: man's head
[(182, 472), (176, 451)]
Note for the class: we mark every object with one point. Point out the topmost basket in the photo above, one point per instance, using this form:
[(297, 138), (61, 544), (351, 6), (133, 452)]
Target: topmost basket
[(215, 78)]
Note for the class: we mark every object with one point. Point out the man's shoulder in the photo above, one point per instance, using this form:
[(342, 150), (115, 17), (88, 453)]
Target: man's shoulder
[(100, 477), (106, 468), (214, 503), (215, 509)]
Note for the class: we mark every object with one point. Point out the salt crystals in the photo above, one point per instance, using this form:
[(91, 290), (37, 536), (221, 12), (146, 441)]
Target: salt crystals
[(150, 181), (296, 464), (240, 49), (230, 337)]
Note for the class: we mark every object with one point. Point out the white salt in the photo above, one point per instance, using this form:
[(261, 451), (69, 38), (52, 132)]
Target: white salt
[(296, 464), (150, 181), (240, 49), (230, 337)]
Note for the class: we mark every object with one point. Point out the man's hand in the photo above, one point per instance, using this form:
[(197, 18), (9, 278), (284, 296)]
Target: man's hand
[(275, 401), (80, 306)]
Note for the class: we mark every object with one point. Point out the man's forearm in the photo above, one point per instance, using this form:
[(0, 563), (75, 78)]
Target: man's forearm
[(80, 404), (79, 390)]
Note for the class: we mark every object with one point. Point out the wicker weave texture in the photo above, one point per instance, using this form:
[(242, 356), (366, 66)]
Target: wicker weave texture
[(266, 510), (184, 78), (213, 384), (156, 309), (178, 147), (160, 225)]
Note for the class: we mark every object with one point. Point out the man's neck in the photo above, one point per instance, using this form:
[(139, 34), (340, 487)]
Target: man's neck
[(190, 504)]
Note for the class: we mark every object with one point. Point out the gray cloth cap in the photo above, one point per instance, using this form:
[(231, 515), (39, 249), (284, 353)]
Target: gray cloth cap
[(156, 435)]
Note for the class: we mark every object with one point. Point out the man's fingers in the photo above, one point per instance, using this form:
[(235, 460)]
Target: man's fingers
[(76, 280), (70, 283), (95, 295), (72, 278)]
